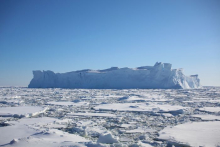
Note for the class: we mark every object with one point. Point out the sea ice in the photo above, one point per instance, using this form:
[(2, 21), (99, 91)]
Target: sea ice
[(193, 134), (152, 107), (67, 103), (107, 138), (207, 117), (132, 117), (140, 130), (21, 111), (34, 132), (210, 109), (92, 114)]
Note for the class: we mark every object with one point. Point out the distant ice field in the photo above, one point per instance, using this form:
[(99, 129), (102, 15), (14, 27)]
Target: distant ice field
[(109, 117)]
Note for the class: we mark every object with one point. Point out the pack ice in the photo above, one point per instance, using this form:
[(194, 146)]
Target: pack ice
[(55, 117), (158, 76)]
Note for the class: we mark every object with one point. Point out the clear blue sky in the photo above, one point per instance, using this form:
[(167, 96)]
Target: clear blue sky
[(70, 35)]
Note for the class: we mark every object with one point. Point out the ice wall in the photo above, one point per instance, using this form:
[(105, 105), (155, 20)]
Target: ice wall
[(159, 76)]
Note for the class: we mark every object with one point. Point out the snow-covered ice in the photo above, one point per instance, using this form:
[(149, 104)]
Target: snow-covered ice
[(107, 138), (141, 107), (210, 109), (207, 117), (109, 117), (139, 130), (67, 103), (33, 132), (21, 111), (21, 129), (92, 114), (193, 134)]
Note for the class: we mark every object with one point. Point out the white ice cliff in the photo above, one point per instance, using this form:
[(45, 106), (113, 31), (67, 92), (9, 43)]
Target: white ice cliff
[(159, 76)]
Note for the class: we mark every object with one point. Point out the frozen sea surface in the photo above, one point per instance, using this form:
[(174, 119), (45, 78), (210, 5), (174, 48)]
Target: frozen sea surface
[(116, 118)]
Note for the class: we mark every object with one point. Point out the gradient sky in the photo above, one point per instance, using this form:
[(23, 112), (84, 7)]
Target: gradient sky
[(70, 35)]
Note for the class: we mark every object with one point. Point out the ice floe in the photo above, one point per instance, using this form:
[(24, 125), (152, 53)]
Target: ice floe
[(34, 132), (207, 117), (109, 117), (22, 111), (92, 114), (193, 134), (67, 103), (141, 107), (210, 109)]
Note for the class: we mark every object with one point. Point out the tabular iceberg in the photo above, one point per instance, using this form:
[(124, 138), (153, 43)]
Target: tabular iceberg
[(159, 76)]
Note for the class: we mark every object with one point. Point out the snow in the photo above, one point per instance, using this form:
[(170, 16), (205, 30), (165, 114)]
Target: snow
[(141, 107), (109, 117), (140, 130), (107, 138), (29, 132), (193, 134), (126, 125), (201, 100), (67, 103), (17, 131), (167, 114), (50, 139), (92, 114), (21, 111), (207, 117), (145, 144), (210, 109), (158, 76), (4, 118), (20, 129)]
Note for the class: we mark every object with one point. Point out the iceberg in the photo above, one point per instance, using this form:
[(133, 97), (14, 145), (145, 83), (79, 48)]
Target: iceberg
[(159, 76)]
